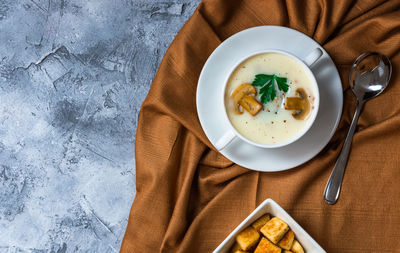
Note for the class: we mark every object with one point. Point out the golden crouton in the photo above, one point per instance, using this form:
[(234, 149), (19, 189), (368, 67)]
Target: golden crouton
[(296, 247), (287, 240), (274, 229), (266, 246), (257, 225), (235, 248), (248, 238)]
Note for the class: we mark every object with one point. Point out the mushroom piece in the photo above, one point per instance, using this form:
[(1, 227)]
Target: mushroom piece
[(250, 104), (300, 104), (244, 97)]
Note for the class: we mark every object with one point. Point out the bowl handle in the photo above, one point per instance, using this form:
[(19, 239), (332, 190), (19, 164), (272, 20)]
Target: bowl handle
[(225, 140), (312, 57)]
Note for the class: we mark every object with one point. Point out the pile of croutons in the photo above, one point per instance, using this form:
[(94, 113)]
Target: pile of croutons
[(267, 235)]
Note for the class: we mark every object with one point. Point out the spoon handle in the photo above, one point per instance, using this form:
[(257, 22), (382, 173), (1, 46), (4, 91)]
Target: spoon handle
[(332, 189)]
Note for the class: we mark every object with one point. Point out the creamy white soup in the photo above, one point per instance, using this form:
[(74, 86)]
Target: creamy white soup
[(273, 124)]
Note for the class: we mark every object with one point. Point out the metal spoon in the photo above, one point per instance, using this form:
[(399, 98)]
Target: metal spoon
[(369, 76)]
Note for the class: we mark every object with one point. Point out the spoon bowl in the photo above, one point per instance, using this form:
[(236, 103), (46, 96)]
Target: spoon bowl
[(369, 76)]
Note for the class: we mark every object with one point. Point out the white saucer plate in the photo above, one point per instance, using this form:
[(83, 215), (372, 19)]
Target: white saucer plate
[(226, 56)]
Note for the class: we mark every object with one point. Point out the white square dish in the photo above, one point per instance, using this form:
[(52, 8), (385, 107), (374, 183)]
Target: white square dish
[(271, 207)]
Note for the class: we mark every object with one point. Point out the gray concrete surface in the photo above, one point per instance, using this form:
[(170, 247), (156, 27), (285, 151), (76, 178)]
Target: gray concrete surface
[(73, 75)]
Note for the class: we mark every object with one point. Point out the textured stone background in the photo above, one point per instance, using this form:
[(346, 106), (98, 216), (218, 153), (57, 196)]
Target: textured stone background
[(73, 74)]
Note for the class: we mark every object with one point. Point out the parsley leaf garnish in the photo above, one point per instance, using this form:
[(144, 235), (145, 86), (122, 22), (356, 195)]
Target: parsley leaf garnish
[(267, 84)]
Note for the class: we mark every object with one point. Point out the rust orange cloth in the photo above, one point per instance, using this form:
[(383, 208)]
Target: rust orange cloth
[(189, 197)]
